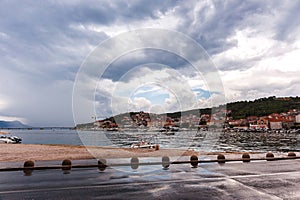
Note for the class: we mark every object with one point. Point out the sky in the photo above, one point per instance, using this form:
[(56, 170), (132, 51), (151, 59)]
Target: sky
[(46, 48)]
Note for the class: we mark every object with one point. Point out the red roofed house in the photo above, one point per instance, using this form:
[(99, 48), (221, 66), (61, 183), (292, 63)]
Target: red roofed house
[(261, 123), (288, 122), (275, 121)]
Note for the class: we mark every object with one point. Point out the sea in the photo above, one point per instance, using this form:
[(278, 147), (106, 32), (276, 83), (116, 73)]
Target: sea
[(203, 141)]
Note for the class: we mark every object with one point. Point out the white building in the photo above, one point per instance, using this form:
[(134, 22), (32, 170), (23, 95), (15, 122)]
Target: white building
[(297, 119)]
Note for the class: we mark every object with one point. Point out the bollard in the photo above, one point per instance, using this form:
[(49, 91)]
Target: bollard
[(246, 157), (157, 147), (28, 167), (165, 162), (102, 164), (134, 163), (269, 156), (221, 158), (291, 155), (194, 161), (29, 163), (66, 166)]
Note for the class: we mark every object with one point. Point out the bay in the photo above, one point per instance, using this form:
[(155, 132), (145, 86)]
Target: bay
[(201, 141)]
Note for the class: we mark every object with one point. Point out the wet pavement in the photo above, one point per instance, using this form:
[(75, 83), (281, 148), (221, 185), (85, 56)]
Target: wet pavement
[(235, 180)]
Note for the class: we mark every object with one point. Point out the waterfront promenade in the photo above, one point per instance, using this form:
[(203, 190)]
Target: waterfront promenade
[(235, 180), (212, 178), (262, 178)]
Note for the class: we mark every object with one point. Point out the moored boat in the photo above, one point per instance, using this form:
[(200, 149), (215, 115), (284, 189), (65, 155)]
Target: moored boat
[(10, 140), (169, 133), (4, 138), (144, 145), (169, 130)]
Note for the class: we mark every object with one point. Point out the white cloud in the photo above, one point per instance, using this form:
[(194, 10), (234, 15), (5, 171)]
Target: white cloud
[(249, 45), (286, 61), (140, 91), (258, 82), (139, 104), (8, 118), (3, 35), (3, 103)]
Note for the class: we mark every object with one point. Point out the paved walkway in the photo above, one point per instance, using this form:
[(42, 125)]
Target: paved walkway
[(235, 180)]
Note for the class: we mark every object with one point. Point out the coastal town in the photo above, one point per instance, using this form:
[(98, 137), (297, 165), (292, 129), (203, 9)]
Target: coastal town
[(260, 115), (285, 121)]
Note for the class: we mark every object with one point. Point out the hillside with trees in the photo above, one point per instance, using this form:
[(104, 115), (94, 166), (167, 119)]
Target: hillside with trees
[(259, 107), (263, 106), (239, 110)]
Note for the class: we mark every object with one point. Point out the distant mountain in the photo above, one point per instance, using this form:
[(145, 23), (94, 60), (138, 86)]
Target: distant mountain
[(12, 124)]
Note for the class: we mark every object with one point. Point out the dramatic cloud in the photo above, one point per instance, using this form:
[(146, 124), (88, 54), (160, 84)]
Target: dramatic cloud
[(146, 88), (254, 44)]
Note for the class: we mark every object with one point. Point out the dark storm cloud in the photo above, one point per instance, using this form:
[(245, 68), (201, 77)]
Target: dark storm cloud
[(43, 43), (142, 57), (120, 11), (44, 30), (289, 23), (213, 23)]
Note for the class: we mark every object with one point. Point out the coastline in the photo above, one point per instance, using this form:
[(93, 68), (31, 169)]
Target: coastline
[(46, 152), (50, 152)]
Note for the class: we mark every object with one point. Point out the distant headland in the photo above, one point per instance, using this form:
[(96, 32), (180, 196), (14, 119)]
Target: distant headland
[(12, 124)]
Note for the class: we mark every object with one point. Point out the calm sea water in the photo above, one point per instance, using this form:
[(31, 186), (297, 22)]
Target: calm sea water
[(201, 141)]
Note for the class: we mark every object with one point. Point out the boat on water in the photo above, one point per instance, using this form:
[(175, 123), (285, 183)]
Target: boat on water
[(145, 145), (169, 132), (112, 129), (5, 138)]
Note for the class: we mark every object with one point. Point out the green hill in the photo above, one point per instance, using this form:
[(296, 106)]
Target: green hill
[(239, 110), (263, 106)]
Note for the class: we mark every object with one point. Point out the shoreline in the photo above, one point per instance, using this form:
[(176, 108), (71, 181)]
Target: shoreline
[(48, 152), (51, 152)]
